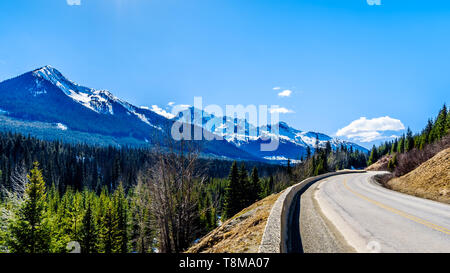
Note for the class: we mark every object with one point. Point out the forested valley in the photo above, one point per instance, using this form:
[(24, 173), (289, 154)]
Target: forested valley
[(56, 197)]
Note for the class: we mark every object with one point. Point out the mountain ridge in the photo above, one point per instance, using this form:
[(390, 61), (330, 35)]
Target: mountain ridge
[(46, 95)]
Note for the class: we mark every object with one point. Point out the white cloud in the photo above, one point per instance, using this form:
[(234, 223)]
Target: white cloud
[(281, 110), (285, 93), (276, 88), (73, 2), (171, 103), (367, 130)]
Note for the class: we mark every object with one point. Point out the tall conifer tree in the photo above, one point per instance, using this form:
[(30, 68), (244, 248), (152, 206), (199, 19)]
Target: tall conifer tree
[(232, 192), (30, 230)]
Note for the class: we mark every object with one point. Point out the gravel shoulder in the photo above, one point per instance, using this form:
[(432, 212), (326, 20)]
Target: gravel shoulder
[(318, 234)]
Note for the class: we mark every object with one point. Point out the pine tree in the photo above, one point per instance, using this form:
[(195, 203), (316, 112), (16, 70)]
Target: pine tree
[(425, 136), (440, 125), (409, 141), (394, 147), (207, 215), (121, 215), (447, 126), (256, 186), (89, 231), (401, 145), (308, 152), (232, 204), (108, 231), (271, 184), (213, 218), (245, 187), (75, 215), (30, 231), (373, 156)]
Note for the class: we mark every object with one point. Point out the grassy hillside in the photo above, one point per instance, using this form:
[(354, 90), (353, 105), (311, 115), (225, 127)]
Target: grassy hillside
[(240, 234), (430, 180)]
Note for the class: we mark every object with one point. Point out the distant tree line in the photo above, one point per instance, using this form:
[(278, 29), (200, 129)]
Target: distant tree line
[(243, 190), (80, 166)]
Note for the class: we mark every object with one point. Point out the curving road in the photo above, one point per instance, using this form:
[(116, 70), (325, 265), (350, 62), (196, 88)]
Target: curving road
[(359, 215)]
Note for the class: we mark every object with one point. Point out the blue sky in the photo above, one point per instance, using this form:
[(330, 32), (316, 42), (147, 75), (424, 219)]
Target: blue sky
[(342, 60)]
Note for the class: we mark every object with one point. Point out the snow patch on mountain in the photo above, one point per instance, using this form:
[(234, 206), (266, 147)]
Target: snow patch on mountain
[(61, 126), (99, 101), (158, 110), (282, 158), (240, 131)]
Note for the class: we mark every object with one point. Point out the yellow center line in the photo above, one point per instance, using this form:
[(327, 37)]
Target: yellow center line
[(399, 212)]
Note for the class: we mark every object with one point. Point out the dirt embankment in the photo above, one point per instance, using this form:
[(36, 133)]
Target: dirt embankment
[(380, 165), (240, 234), (430, 180)]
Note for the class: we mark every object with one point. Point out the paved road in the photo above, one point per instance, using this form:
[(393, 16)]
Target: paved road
[(370, 218)]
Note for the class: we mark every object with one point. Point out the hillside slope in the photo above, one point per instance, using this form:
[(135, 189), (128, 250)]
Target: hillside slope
[(380, 165), (240, 234), (430, 180)]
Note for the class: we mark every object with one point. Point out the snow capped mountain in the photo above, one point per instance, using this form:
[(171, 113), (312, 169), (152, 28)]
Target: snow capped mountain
[(159, 111), (45, 95), (99, 101), (95, 100), (248, 137)]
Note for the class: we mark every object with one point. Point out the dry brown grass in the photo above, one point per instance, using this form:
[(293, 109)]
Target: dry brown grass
[(380, 165), (430, 180), (240, 234)]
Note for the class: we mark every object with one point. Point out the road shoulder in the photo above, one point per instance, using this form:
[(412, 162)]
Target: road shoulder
[(318, 234)]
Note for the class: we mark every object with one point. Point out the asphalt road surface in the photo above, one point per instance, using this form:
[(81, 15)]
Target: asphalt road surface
[(352, 212)]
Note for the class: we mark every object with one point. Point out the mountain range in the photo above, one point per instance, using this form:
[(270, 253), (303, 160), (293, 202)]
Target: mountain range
[(45, 104)]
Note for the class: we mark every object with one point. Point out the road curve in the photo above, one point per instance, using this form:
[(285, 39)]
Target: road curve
[(371, 218)]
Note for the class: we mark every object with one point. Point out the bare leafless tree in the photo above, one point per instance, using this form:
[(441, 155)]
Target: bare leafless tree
[(12, 196), (142, 237), (174, 180), (18, 182)]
